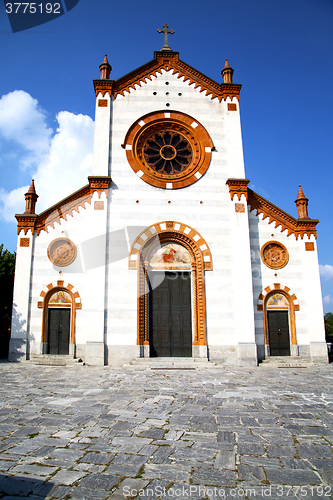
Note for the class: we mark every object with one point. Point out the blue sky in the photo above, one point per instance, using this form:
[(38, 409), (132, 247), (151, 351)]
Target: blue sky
[(281, 51)]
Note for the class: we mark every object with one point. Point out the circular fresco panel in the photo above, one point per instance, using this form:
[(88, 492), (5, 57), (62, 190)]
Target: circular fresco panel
[(61, 252)]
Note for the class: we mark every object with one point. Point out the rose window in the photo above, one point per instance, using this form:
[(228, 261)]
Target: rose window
[(168, 152), (168, 149)]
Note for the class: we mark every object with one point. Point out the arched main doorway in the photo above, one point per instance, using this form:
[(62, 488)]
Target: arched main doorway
[(170, 259)]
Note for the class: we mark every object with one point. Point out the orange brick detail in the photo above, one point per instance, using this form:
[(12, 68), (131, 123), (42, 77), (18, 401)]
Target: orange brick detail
[(239, 207), (232, 106), (60, 282), (277, 286), (99, 205), (24, 242), (102, 103), (309, 246)]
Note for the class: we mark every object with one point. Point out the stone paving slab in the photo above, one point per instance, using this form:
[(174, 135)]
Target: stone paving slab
[(96, 433)]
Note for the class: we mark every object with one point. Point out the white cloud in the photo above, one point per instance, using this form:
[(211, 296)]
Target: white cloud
[(63, 161), (22, 120), (327, 300), (326, 271), (69, 162)]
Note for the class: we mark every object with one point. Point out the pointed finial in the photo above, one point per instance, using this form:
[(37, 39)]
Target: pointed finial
[(31, 199), (227, 72), (32, 187), (105, 69), (302, 204)]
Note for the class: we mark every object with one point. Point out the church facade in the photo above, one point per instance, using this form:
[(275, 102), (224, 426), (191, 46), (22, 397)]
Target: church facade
[(167, 252)]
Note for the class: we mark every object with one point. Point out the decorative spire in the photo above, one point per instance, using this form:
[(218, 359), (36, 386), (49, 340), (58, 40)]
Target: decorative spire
[(166, 31), (227, 73), (302, 204), (31, 199), (105, 69)]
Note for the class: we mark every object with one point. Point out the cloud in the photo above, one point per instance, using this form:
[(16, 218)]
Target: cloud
[(326, 271), (61, 163), (23, 121), (327, 300)]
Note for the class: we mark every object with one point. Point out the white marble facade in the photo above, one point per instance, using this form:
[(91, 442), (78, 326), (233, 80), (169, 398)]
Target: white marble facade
[(105, 323)]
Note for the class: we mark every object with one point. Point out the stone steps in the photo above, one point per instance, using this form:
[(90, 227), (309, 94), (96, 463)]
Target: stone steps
[(286, 362), (54, 360), (170, 364)]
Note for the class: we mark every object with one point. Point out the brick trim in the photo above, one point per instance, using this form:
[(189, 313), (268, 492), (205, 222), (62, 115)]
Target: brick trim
[(201, 260), (167, 61), (44, 298), (64, 207), (293, 306)]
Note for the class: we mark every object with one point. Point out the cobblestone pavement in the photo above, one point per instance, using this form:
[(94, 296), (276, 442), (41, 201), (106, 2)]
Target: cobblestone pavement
[(97, 433)]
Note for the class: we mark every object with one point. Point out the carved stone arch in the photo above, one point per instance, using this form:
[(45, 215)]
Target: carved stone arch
[(201, 260), (293, 306), (44, 298)]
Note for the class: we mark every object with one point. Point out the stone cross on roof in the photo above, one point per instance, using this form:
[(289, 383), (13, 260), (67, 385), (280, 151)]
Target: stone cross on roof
[(166, 31)]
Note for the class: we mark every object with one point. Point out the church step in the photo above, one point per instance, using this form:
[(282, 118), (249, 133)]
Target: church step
[(170, 363), (286, 362), (54, 360)]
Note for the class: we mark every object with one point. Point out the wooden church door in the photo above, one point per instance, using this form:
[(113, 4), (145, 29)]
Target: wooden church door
[(278, 331), (58, 330), (170, 330)]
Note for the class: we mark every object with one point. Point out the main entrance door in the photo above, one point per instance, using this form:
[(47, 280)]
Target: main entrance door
[(278, 331), (58, 330), (170, 331)]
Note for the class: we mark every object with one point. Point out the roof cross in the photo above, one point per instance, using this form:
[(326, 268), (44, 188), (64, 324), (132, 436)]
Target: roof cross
[(166, 31)]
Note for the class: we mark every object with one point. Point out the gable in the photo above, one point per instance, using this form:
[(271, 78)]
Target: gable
[(167, 61)]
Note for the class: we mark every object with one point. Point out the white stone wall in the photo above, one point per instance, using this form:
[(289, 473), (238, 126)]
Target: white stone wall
[(20, 314), (214, 218), (87, 273), (108, 289), (301, 275)]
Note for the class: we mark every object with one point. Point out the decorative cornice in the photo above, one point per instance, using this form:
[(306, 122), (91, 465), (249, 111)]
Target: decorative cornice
[(103, 86), (298, 227), (64, 207), (165, 60), (26, 222), (238, 187)]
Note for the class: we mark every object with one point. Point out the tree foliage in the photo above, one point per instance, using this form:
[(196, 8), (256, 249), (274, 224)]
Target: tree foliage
[(7, 262), (329, 327), (7, 270)]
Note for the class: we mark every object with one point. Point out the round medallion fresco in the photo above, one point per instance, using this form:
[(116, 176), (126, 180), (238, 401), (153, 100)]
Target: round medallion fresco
[(168, 150), (61, 252), (274, 255)]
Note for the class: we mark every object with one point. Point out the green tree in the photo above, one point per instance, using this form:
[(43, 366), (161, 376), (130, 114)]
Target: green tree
[(7, 270), (329, 327)]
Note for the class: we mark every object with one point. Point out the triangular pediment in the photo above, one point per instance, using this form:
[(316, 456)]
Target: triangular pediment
[(167, 61)]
